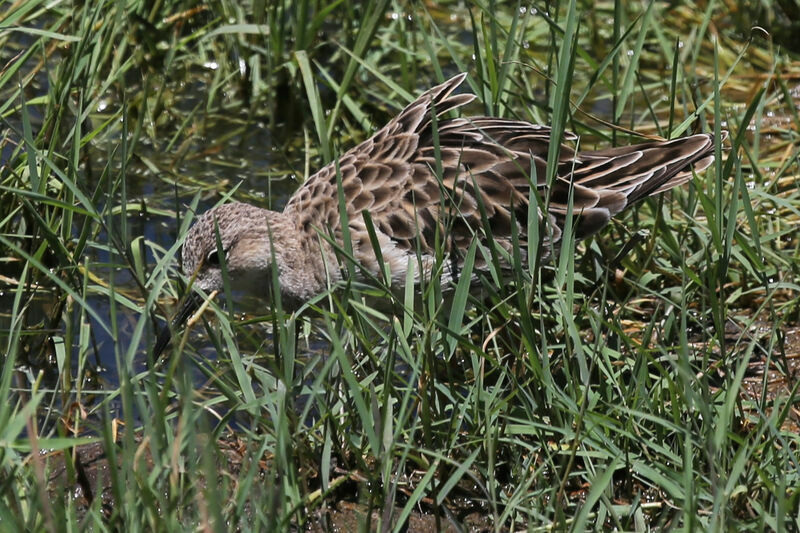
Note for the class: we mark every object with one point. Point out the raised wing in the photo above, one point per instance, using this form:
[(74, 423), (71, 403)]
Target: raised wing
[(418, 180)]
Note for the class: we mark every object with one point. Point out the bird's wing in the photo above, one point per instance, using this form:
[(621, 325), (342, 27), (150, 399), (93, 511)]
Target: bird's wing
[(425, 180)]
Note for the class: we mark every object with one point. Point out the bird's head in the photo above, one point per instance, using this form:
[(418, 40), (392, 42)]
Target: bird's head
[(233, 240)]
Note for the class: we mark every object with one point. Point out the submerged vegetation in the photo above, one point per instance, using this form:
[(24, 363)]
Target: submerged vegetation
[(644, 378)]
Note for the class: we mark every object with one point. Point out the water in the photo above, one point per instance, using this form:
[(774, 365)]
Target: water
[(224, 151)]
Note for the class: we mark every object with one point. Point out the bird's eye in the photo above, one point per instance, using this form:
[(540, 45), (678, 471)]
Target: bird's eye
[(213, 258)]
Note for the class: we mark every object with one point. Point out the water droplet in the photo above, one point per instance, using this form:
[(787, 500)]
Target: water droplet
[(395, 16)]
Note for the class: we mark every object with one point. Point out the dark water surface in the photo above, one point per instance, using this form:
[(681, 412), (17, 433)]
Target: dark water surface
[(227, 151)]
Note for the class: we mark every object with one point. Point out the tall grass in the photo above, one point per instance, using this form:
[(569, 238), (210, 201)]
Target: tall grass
[(641, 379)]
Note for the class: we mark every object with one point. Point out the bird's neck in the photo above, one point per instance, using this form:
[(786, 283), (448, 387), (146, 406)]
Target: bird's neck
[(305, 263)]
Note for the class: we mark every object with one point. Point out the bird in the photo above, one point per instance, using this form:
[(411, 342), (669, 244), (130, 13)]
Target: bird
[(426, 180)]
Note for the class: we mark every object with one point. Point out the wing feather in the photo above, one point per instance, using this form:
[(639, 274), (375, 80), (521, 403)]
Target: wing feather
[(487, 165)]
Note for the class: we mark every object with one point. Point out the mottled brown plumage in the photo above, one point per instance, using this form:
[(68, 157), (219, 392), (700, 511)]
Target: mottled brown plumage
[(486, 164)]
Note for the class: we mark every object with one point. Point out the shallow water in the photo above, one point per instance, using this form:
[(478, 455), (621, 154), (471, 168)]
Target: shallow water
[(230, 150)]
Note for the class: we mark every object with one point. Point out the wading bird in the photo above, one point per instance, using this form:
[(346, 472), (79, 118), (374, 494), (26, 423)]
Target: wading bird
[(424, 178)]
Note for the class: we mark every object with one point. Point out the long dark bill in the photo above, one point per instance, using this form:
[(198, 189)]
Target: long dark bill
[(190, 305)]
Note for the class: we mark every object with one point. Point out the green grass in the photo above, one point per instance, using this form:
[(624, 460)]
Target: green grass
[(645, 378)]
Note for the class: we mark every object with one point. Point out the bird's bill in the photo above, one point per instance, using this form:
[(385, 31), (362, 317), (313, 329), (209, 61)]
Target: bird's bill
[(187, 309)]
